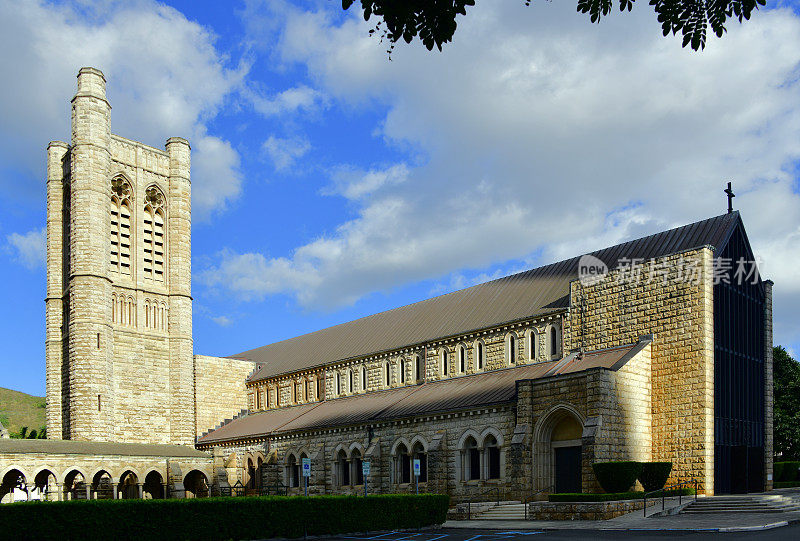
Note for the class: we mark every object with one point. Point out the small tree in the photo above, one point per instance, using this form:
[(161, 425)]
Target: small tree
[(786, 408)]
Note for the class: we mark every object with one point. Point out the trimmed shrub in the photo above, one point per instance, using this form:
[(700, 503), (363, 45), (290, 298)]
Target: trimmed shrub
[(787, 484), (223, 518), (608, 497), (617, 476), (786, 471), (654, 475)]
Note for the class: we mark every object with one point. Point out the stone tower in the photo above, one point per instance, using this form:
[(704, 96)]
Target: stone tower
[(119, 306)]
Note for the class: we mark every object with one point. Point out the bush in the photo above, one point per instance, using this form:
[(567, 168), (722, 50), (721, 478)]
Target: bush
[(569, 497), (786, 471), (224, 518), (787, 484), (654, 475), (617, 476)]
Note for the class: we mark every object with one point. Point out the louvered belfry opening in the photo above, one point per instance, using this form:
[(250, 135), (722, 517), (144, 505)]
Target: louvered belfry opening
[(738, 376)]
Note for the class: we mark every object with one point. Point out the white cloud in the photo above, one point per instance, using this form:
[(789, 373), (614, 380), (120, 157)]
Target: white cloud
[(165, 78), (222, 321), (355, 184), (292, 100), (284, 152), (30, 247)]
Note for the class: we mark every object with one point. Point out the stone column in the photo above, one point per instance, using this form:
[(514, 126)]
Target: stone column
[(89, 329), (57, 232), (179, 246), (768, 388), (140, 486)]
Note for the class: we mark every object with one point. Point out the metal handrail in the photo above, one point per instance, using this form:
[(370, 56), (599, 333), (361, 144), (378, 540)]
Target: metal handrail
[(527, 500), (474, 496), (664, 490)]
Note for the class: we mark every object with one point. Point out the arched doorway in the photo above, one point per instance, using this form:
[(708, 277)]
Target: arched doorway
[(558, 451), (101, 484), (75, 486), (196, 484), (45, 484), (153, 486), (129, 486), (14, 487)]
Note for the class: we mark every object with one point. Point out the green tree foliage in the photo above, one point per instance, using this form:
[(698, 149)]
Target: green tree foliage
[(434, 21), (786, 431)]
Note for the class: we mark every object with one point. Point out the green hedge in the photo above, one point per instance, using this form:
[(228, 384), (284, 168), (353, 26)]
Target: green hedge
[(654, 475), (787, 484), (607, 497), (786, 471), (617, 476), (222, 518)]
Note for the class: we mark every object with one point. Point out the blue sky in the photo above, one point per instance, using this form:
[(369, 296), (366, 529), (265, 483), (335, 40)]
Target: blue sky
[(331, 182)]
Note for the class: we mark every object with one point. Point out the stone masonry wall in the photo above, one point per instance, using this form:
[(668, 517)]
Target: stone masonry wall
[(220, 392), (676, 306)]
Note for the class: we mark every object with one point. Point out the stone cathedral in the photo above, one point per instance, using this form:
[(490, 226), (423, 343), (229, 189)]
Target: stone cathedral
[(659, 348)]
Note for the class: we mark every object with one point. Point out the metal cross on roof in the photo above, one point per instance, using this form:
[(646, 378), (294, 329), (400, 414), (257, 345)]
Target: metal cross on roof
[(731, 195)]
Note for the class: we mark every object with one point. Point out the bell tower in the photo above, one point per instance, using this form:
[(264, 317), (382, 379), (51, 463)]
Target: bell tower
[(119, 307)]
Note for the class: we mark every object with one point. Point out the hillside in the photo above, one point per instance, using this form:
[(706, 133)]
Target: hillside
[(19, 409)]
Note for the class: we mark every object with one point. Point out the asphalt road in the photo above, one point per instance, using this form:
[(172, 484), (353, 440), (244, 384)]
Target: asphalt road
[(787, 532)]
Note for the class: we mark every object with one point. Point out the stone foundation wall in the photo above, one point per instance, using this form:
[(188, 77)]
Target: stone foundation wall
[(582, 510)]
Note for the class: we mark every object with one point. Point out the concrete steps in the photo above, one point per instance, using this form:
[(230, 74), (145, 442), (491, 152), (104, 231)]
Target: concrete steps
[(767, 503), (504, 511)]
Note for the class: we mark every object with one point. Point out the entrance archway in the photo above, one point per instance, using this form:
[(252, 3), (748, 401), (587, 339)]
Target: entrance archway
[(102, 486), (14, 487), (196, 484), (153, 486), (45, 483), (557, 450), (75, 486), (129, 486)]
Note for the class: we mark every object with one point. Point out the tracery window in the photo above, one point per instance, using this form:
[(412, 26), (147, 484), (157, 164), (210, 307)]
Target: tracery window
[(120, 254), (154, 240)]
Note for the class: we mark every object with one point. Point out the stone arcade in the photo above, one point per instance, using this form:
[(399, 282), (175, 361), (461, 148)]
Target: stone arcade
[(513, 386)]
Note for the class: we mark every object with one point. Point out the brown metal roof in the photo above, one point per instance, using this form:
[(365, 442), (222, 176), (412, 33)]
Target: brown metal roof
[(76, 447), (452, 394), (528, 294)]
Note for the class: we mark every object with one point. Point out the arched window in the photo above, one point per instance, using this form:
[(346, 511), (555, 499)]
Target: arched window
[(444, 360), (338, 384), (471, 460), (388, 374), (292, 471), (462, 359), (511, 349), (320, 388), (492, 451), (363, 378), (343, 468), (350, 381), (480, 355), (420, 368), (532, 346), (356, 473), (401, 366), (402, 465), (120, 259), (554, 346), (154, 235), (418, 453), (294, 392)]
